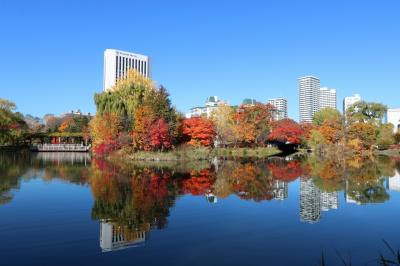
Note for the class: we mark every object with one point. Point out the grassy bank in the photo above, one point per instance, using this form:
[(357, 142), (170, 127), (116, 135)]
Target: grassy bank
[(196, 154)]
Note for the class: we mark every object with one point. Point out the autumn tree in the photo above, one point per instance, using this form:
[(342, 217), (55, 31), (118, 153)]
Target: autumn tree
[(286, 131), (105, 130), (253, 123), (144, 118), (158, 100), (365, 132), (160, 135), (223, 118), (332, 130), (199, 131)]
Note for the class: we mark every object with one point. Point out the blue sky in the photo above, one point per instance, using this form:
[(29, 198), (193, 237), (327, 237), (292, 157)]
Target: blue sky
[(51, 52)]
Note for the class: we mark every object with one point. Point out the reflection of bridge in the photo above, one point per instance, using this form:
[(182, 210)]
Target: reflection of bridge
[(115, 237), (64, 157), (61, 148)]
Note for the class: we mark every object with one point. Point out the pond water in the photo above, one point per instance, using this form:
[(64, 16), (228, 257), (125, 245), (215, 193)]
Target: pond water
[(70, 209)]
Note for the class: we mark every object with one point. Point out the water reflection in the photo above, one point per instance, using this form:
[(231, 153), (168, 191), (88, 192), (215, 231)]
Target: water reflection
[(131, 201), (313, 200), (64, 157)]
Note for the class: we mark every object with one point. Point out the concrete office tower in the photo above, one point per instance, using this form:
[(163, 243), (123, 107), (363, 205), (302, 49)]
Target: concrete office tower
[(117, 63), (281, 108), (349, 101), (327, 98), (308, 98)]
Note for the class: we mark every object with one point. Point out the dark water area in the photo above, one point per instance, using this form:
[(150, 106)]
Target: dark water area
[(71, 209)]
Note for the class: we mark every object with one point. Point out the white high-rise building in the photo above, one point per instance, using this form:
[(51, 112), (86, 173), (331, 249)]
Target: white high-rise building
[(327, 98), (393, 117), (117, 63), (308, 97), (349, 101), (281, 108)]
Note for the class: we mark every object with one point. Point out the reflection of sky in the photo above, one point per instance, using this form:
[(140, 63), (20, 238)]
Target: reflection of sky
[(51, 221)]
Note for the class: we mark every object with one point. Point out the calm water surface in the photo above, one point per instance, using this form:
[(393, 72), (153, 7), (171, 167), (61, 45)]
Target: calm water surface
[(69, 209)]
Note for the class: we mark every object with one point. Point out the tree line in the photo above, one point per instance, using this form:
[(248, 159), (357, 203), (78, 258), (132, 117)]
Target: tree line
[(18, 129), (139, 116)]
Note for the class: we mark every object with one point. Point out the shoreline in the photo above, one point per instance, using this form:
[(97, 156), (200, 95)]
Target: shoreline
[(195, 154)]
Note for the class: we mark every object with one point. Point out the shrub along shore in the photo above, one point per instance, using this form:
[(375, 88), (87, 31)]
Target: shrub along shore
[(195, 154)]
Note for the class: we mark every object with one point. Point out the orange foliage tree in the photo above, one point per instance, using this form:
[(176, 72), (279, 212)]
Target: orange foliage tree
[(253, 123), (144, 118), (365, 132), (332, 131), (198, 131), (105, 130)]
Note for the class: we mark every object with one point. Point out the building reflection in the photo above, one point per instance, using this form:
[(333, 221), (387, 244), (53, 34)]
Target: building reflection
[(394, 182), (115, 237), (280, 190), (313, 201), (355, 194)]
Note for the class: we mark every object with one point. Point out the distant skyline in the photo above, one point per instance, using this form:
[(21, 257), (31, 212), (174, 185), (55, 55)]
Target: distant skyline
[(52, 51)]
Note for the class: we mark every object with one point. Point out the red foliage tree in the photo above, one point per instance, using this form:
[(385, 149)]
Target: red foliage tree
[(199, 183), (199, 131), (286, 171), (286, 131), (159, 134)]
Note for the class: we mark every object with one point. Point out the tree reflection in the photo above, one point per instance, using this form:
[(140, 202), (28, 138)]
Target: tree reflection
[(23, 165), (129, 201)]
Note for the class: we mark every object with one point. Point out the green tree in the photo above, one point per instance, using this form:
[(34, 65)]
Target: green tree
[(385, 136), (124, 97), (366, 112), (327, 114), (12, 124)]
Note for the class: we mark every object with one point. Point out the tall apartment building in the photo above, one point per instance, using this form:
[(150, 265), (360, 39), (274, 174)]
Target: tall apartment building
[(308, 98), (327, 98), (281, 108), (117, 63), (349, 101)]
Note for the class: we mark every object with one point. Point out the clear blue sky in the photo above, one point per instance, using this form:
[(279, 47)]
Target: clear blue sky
[(51, 52)]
